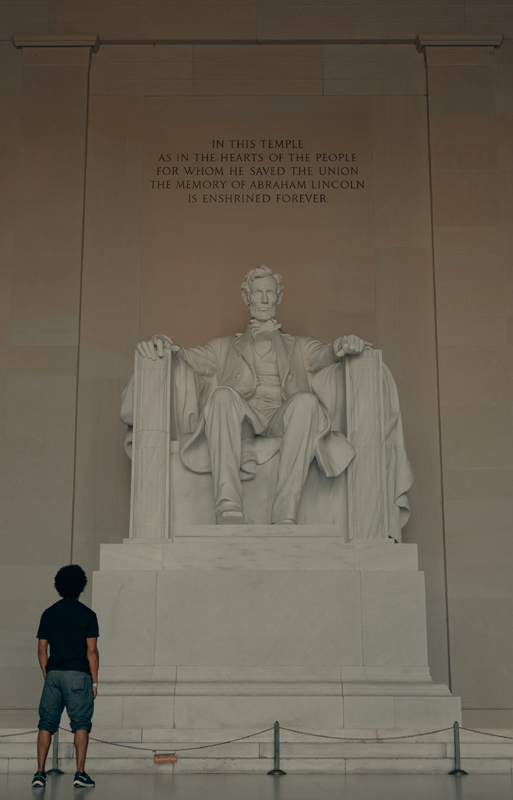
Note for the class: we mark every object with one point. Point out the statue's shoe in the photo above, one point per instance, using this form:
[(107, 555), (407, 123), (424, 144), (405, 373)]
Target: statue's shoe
[(285, 522), (230, 518)]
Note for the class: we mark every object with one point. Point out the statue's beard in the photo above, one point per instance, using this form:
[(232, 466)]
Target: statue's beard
[(262, 313)]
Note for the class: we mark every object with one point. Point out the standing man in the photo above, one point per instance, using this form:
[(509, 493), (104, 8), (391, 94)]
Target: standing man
[(71, 671)]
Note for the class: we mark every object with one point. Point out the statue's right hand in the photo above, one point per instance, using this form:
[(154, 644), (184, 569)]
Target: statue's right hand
[(154, 346)]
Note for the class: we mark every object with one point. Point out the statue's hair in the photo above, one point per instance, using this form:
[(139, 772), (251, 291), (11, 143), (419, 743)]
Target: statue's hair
[(70, 581), (260, 272)]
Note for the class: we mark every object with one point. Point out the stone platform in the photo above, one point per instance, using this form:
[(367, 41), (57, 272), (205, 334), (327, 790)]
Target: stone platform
[(233, 627)]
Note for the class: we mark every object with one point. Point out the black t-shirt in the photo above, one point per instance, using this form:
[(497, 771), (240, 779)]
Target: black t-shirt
[(67, 624)]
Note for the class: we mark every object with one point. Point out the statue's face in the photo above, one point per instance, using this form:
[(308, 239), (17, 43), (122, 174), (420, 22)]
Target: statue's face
[(263, 298)]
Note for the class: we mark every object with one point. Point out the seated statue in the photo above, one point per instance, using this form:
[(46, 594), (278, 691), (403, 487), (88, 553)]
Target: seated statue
[(239, 400)]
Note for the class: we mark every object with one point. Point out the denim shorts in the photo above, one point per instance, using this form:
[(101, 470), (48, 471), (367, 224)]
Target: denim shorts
[(70, 689)]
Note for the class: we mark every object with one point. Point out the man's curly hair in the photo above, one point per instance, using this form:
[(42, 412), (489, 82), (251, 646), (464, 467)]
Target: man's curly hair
[(70, 581), (260, 272)]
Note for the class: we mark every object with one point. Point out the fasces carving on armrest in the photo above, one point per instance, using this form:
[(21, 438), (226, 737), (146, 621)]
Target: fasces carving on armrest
[(367, 496), (149, 517)]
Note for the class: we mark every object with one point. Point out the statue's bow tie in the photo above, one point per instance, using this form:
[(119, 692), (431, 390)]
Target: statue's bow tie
[(268, 327)]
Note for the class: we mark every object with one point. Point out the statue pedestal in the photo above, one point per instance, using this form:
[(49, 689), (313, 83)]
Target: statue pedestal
[(234, 627)]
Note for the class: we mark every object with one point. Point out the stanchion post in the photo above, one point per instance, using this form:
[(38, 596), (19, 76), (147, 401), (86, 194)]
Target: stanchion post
[(276, 770), (457, 757), (55, 756)]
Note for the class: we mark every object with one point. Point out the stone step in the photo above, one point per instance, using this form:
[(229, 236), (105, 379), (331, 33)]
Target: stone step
[(202, 684), (273, 531), (257, 547)]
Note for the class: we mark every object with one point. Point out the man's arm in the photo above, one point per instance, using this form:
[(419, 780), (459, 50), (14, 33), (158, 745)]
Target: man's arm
[(42, 654), (319, 355), (349, 346), (202, 358), (93, 657)]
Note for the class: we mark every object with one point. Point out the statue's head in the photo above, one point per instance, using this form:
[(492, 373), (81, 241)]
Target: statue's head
[(262, 291)]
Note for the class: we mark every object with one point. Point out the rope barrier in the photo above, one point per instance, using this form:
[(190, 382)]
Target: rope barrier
[(290, 730), (487, 733), (179, 749), (22, 733), (366, 739)]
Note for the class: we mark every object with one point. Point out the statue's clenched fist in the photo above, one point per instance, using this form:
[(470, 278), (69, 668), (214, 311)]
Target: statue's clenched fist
[(154, 346), (350, 346)]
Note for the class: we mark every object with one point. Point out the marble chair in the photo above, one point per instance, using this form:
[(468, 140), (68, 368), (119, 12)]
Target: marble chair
[(367, 501)]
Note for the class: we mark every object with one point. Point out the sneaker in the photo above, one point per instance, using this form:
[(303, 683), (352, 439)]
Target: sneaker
[(230, 518), (39, 779), (83, 779)]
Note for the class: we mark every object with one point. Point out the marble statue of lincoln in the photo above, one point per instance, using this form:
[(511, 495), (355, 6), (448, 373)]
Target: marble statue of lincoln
[(256, 385)]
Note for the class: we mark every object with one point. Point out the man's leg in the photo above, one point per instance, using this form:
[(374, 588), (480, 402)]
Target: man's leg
[(43, 745), (298, 422), (224, 416), (51, 707), (81, 742), (78, 694)]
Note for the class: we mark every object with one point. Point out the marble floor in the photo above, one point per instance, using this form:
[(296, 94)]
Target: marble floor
[(262, 787)]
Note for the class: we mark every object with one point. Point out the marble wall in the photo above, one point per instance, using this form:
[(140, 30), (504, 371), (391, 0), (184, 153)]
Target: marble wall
[(77, 291), (471, 136)]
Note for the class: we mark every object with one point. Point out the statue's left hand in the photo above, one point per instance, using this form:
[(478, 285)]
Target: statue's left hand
[(350, 345)]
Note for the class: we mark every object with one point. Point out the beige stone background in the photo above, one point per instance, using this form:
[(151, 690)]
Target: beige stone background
[(76, 293)]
